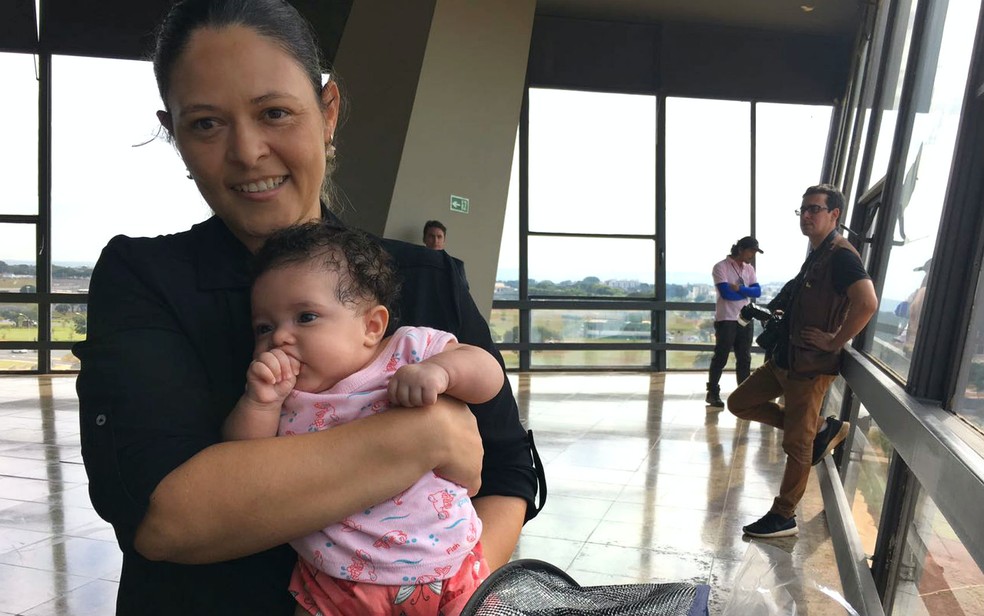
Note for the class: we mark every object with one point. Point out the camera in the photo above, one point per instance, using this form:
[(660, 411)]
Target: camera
[(772, 325), (774, 328), (751, 312)]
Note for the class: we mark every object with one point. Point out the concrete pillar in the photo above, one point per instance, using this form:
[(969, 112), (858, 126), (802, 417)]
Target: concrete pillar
[(434, 89)]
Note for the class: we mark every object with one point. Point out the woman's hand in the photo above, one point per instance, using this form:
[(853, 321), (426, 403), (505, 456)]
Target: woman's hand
[(461, 458)]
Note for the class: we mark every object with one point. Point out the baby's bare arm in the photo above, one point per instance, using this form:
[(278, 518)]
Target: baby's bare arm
[(466, 372)]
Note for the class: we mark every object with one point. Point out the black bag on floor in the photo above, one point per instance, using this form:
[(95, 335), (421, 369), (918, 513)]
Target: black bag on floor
[(531, 587)]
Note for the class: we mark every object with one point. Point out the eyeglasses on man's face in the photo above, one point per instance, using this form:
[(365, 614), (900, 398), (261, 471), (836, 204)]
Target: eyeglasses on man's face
[(812, 210)]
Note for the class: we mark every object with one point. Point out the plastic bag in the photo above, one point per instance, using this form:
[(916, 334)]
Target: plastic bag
[(764, 580)]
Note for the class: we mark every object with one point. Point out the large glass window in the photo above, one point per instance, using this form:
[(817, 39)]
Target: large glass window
[(591, 359), (592, 326), (586, 180), (19, 134), (18, 257), (708, 186), (68, 322), (580, 252), (110, 162), (614, 193), (789, 148), (867, 474), (701, 361), (18, 323), (938, 575), (504, 325), (691, 326), (938, 105), (591, 267)]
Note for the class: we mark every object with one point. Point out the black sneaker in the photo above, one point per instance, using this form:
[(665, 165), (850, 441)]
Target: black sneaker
[(828, 439), (772, 525)]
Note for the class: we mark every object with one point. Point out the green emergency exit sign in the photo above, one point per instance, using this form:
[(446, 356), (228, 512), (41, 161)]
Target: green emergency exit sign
[(459, 204)]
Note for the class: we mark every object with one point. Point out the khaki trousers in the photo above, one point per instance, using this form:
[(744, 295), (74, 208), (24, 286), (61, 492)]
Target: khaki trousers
[(799, 420)]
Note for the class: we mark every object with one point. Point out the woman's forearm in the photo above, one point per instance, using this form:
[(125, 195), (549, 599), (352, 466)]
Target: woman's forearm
[(502, 520), (237, 498)]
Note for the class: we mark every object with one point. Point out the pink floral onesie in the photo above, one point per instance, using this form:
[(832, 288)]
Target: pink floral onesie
[(412, 541)]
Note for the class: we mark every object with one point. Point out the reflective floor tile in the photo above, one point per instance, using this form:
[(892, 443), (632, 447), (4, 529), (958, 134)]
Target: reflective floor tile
[(644, 565), (97, 598), (25, 588)]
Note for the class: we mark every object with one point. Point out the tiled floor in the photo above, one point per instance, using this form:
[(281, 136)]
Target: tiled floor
[(645, 485)]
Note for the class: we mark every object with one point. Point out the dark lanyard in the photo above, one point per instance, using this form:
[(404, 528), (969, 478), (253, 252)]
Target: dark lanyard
[(741, 281)]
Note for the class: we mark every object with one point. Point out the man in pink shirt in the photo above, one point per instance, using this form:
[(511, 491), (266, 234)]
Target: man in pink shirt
[(734, 278)]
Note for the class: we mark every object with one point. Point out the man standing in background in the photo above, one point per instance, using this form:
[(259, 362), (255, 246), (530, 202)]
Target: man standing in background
[(830, 302), (434, 234), (734, 278)]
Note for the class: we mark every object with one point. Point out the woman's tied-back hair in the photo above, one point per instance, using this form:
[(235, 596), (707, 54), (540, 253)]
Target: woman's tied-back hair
[(366, 275), (274, 19)]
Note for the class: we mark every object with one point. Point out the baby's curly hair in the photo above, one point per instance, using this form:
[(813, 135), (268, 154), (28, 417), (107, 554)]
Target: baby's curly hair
[(366, 274)]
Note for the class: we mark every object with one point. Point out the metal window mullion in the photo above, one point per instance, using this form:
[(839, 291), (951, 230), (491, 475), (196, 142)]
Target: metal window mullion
[(897, 513), (524, 227), (752, 167), (602, 236), (659, 319), (852, 98), (43, 228), (832, 148)]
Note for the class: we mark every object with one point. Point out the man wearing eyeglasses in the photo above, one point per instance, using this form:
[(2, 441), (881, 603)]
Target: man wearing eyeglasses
[(830, 302)]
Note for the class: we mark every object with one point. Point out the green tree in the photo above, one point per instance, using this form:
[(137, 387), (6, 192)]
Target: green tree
[(675, 290), (80, 324)]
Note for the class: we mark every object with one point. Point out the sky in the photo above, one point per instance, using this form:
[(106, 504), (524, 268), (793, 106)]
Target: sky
[(592, 170)]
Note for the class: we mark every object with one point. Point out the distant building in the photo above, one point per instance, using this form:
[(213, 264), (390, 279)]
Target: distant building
[(625, 285), (698, 291)]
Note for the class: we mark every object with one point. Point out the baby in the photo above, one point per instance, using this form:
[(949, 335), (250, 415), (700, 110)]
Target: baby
[(320, 301)]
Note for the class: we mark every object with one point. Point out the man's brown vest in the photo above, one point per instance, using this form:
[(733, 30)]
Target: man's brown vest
[(818, 304)]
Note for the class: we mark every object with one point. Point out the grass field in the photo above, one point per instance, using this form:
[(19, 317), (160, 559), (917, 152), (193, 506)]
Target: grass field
[(13, 285), (60, 360), (62, 330)]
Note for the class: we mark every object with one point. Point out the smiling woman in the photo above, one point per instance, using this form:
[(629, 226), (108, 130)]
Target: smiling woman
[(169, 340)]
